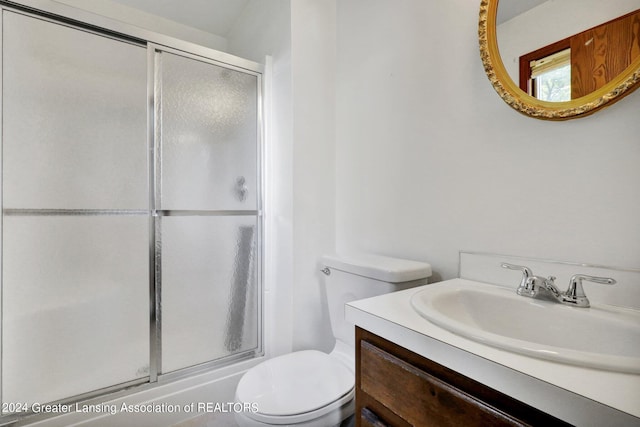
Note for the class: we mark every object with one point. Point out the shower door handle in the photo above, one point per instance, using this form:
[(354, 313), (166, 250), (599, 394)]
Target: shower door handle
[(241, 188)]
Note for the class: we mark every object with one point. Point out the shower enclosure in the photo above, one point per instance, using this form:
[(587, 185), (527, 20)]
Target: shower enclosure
[(131, 212)]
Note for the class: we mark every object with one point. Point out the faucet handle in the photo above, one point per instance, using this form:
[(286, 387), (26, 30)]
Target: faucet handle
[(526, 275), (575, 293), (526, 271)]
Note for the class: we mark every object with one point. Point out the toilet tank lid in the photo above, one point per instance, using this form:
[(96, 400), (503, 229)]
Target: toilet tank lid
[(384, 268)]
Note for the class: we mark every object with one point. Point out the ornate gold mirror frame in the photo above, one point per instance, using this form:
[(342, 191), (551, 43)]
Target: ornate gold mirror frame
[(511, 93)]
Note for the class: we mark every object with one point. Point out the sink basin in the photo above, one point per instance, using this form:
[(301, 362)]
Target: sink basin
[(600, 337)]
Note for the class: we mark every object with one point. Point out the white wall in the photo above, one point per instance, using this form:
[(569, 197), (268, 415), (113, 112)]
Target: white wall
[(430, 160), (313, 56)]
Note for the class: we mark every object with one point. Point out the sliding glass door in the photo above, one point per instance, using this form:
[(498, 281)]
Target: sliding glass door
[(75, 228), (131, 211), (207, 202)]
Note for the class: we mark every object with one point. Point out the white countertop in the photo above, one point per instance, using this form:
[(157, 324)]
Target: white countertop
[(581, 396)]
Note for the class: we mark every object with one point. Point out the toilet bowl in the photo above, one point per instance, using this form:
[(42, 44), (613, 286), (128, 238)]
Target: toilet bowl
[(304, 388), (315, 389)]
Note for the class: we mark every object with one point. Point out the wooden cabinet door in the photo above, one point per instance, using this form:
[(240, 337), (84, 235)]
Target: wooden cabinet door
[(396, 387)]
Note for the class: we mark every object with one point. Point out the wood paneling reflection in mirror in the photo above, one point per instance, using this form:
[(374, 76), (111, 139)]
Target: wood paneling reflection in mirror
[(594, 57), (600, 54)]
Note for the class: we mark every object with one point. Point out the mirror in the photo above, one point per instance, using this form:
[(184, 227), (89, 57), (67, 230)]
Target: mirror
[(516, 28)]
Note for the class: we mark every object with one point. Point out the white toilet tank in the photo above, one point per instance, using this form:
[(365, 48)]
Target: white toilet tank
[(357, 276)]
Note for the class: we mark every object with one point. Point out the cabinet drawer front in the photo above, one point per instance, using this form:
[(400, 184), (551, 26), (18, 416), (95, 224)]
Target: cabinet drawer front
[(420, 398)]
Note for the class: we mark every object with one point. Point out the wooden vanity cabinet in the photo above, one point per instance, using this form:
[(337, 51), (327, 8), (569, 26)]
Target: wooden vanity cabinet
[(396, 387)]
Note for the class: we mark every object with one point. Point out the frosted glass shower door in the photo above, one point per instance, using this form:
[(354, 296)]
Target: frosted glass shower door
[(209, 136), (75, 211), (209, 289), (208, 199)]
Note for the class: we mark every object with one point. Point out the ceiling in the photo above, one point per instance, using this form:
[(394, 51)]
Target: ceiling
[(213, 16), (218, 16), (508, 9)]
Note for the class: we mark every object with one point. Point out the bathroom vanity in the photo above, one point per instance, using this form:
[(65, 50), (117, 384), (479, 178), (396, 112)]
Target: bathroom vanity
[(412, 372), (397, 387)]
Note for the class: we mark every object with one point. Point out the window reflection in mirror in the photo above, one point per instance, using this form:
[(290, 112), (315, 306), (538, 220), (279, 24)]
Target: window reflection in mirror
[(547, 75)]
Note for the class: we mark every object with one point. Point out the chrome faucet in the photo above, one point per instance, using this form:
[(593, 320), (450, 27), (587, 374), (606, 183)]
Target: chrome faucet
[(531, 286), (575, 294)]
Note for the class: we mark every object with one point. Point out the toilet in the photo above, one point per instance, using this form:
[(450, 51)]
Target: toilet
[(315, 389)]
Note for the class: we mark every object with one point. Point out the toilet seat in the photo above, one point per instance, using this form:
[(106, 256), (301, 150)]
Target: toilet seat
[(296, 387)]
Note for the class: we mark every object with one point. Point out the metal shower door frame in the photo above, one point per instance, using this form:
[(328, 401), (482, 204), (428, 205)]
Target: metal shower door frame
[(154, 42), (154, 135)]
